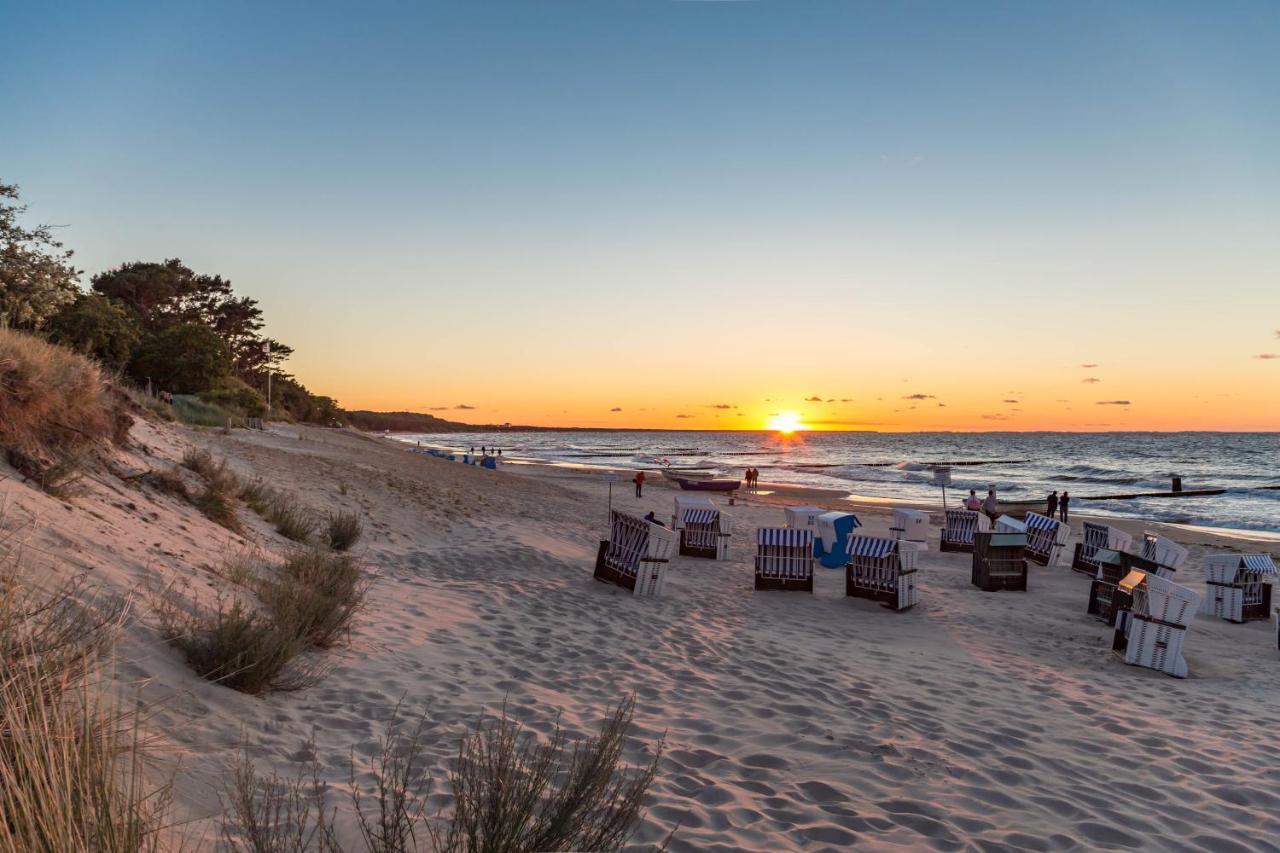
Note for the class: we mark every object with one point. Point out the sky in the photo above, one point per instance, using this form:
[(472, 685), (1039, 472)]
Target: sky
[(891, 216)]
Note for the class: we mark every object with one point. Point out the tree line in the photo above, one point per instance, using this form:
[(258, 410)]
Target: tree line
[(159, 323)]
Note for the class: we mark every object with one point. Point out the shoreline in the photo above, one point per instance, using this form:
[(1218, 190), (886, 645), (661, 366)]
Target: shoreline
[(782, 494)]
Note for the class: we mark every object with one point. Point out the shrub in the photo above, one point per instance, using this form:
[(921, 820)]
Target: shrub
[(71, 777), (276, 814), (217, 500), (218, 506), (184, 359), (235, 645), (236, 396), (344, 530), (168, 481), (54, 409), (257, 495), (317, 591)]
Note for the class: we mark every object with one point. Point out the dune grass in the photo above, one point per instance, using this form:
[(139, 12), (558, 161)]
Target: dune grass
[(511, 793), (168, 481), (317, 591), (236, 645), (282, 509), (71, 775), (191, 410), (217, 500), (343, 530), (55, 410)]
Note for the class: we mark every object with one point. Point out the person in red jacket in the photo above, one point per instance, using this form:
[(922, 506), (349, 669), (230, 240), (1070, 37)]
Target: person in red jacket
[(639, 481)]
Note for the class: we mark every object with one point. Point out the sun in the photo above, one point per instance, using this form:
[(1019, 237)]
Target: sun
[(785, 422)]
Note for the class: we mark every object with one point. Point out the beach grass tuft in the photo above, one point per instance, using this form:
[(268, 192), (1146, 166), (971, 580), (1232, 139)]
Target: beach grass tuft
[(318, 592), (344, 529), (167, 480)]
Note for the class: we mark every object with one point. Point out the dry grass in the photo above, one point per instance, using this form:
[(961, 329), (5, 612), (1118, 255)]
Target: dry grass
[(55, 410), (318, 592), (344, 530), (235, 645), (217, 500), (71, 777), (510, 794), (292, 520), (168, 481)]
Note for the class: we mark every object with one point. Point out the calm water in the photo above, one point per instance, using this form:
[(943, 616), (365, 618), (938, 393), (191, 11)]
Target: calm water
[(1087, 465)]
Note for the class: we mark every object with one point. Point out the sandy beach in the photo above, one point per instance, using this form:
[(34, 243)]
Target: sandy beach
[(791, 721)]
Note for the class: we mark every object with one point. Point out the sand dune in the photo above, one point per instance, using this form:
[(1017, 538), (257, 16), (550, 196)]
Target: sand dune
[(985, 720)]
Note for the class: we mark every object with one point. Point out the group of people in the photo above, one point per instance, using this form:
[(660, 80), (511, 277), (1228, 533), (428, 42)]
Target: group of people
[(1058, 505), (486, 451), (989, 506), (752, 478)]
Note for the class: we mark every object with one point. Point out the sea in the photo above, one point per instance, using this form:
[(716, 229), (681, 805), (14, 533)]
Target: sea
[(1092, 467)]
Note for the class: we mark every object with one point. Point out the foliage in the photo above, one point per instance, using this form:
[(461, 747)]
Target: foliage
[(236, 395), (36, 276), (97, 327), (193, 411), (183, 359), (319, 592)]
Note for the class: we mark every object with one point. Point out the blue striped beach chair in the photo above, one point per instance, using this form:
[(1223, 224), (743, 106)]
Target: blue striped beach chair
[(1045, 538), (1237, 586), (959, 528), (704, 533), (784, 558), (1152, 631), (1094, 538), (882, 570), (635, 555)]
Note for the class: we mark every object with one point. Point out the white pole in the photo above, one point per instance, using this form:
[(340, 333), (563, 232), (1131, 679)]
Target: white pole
[(266, 348)]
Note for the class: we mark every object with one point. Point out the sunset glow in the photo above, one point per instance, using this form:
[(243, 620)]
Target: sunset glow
[(785, 422)]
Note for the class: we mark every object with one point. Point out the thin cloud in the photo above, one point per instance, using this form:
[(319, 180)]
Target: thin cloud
[(1113, 403), (1089, 366), (464, 407), (1091, 380), (813, 399), (616, 409), (1009, 401), (846, 399), (942, 405), (995, 417), (684, 416), (1267, 356), (918, 397), (438, 409), (719, 406)]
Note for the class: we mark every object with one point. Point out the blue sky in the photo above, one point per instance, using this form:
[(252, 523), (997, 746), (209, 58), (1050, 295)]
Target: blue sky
[(531, 170)]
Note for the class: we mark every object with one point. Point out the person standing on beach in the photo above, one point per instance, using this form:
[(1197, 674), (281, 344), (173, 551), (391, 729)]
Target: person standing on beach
[(972, 503), (1062, 504), (747, 477), (639, 481), (1053, 504), (991, 506)]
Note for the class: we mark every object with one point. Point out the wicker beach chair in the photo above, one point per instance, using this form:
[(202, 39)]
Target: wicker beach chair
[(1160, 555), (1098, 537), (834, 531), (1045, 538), (803, 517), (704, 533), (960, 527), (911, 525), (1105, 596), (999, 561), (882, 570), (784, 559), (1009, 524), (635, 555), (1152, 632), (1238, 587)]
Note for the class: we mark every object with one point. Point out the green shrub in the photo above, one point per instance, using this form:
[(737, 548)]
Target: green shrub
[(237, 397), (184, 359), (196, 412)]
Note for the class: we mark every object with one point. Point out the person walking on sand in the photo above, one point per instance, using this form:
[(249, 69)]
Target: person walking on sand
[(973, 503), (1053, 505), (1062, 505), (991, 506), (638, 479)]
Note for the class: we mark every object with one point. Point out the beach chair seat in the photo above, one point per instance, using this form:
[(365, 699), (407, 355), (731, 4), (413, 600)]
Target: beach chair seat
[(1046, 538), (1152, 631), (1105, 596), (784, 558), (882, 570), (999, 561), (1238, 586), (1098, 537), (636, 554), (834, 532), (959, 528), (911, 525)]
